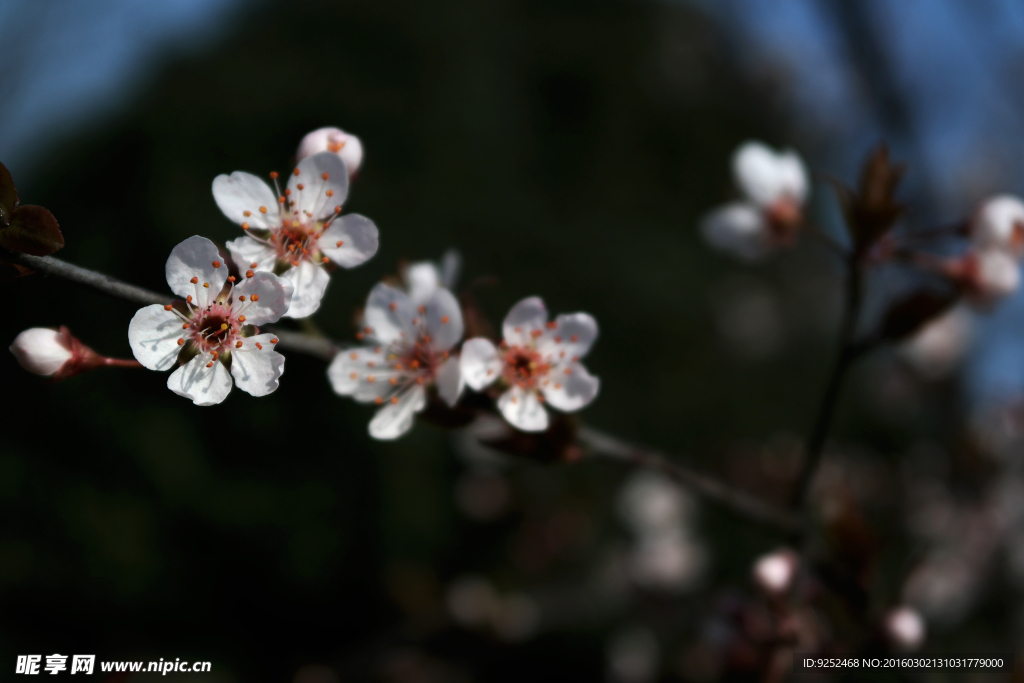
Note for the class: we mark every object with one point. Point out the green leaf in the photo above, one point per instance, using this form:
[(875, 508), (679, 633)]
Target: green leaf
[(8, 196), (33, 230)]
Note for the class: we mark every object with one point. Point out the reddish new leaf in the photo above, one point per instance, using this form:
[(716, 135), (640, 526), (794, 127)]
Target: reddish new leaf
[(32, 230), (873, 210), (8, 196), (12, 271)]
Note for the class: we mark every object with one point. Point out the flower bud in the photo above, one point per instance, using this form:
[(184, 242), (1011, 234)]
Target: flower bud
[(345, 145), (774, 573), (904, 628), (42, 351), (999, 224)]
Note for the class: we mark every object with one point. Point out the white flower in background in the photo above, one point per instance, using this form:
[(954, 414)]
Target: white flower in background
[(774, 573), (422, 278), (408, 350), (988, 276), (938, 348), (537, 362), (296, 233), (347, 146), (904, 628), (213, 324), (42, 351), (999, 224), (774, 188)]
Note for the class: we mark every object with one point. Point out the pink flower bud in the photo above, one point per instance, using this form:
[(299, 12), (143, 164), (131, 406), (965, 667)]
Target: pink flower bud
[(904, 628), (42, 351), (774, 573), (999, 224), (345, 145)]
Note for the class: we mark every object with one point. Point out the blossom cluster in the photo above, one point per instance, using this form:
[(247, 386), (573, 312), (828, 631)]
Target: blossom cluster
[(411, 350)]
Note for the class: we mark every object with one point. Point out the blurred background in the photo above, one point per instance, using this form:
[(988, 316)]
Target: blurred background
[(567, 149)]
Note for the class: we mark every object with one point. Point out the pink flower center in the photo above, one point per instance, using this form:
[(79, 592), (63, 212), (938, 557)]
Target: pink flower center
[(524, 367), (215, 328)]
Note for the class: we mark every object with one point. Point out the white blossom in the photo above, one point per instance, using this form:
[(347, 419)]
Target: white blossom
[(774, 573), (999, 224), (41, 350), (347, 146), (213, 325), (297, 232), (990, 275), (905, 628), (408, 350), (938, 348), (538, 362), (774, 187), (422, 278)]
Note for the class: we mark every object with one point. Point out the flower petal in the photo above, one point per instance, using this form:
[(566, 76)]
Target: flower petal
[(245, 251), (362, 373), (526, 316), (449, 382), (444, 320), (395, 419), (999, 224), (309, 282), (357, 236), (737, 228), (570, 392), (765, 176), (480, 363), (345, 145), (423, 279), (523, 410), (451, 263), (312, 201), (257, 371), (153, 335), (240, 192), (571, 336), (194, 258), (389, 314), (206, 386), (41, 351), (273, 298)]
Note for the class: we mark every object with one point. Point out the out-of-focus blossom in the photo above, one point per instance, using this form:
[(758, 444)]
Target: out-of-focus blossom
[(347, 146), (904, 628), (408, 351), (42, 351), (650, 503), (632, 654), (937, 349), (212, 329), (297, 232), (987, 276), (999, 224), (774, 187), (422, 278), (475, 603), (774, 573), (537, 363)]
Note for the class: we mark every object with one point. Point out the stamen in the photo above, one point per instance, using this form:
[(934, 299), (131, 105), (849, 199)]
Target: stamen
[(393, 380), (288, 193), (247, 213), (394, 400), (263, 209), (168, 307), (535, 333), (231, 279), (330, 193), (254, 297), (353, 376), (339, 243), (210, 364), (393, 306), (259, 346), (378, 400), (551, 325), (325, 175), (274, 340), (216, 264), (242, 297), (249, 273), (296, 172), (281, 200), (273, 175), (301, 186), (238, 344), (206, 284), (444, 319), (194, 280), (223, 326), (241, 318), (371, 379), (245, 226), (180, 342), (188, 299), (185, 326)]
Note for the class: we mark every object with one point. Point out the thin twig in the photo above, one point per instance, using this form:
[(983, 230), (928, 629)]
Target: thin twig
[(709, 488)]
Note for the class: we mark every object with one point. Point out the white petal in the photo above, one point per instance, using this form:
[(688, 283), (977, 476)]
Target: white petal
[(345, 145), (523, 410), (451, 264), (241, 192), (449, 382), (389, 314), (395, 419), (571, 392), (765, 176), (273, 298), (309, 282), (153, 335), (526, 316), (195, 258), (362, 373), (358, 237), (998, 276), (246, 251), (999, 224), (312, 198), (444, 320), (737, 228), (257, 371), (480, 363), (571, 337), (422, 279), (42, 351), (206, 386)]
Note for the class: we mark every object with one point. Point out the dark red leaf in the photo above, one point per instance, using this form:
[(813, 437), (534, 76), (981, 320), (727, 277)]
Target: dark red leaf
[(33, 230), (12, 271)]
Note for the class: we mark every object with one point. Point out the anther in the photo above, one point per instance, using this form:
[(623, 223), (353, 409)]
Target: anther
[(353, 376), (393, 306), (394, 381), (273, 175), (246, 214), (337, 209), (206, 284), (241, 318), (325, 175), (180, 342), (216, 264), (301, 186), (281, 200), (574, 338), (378, 400), (394, 400), (263, 209), (353, 355), (194, 280), (254, 297), (210, 364), (274, 340), (238, 344), (339, 243), (444, 320), (231, 278), (249, 273), (371, 379), (188, 299), (288, 193), (223, 326), (551, 325), (245, 226), (259, 346), (558, 340), (568, 371), (241, 298), (535, 333), (185, 326), (324, 259), (422, 309), (296, 171), (253, 265), (329, 193), (295, 262), (168, 307)]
